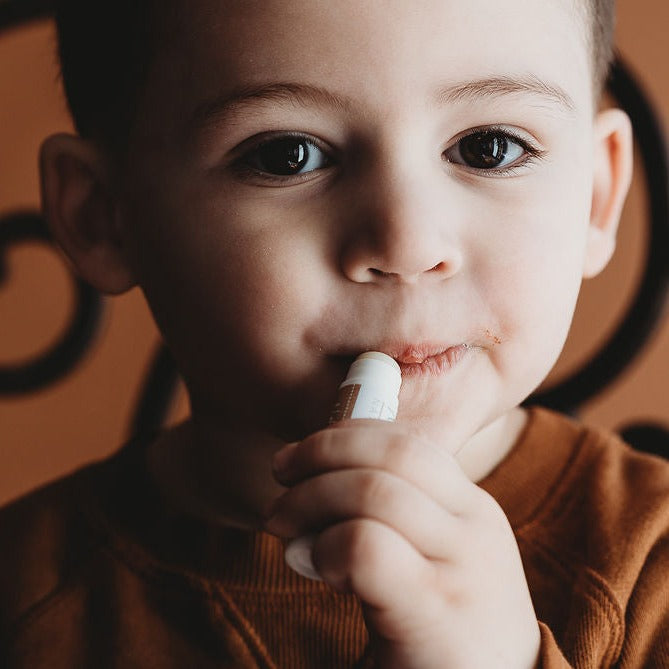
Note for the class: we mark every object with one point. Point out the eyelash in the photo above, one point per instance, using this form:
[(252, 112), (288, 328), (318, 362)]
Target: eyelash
[(531, 153), (255, 144)]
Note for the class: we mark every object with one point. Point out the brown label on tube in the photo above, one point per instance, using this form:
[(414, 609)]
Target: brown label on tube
[(345, 403)]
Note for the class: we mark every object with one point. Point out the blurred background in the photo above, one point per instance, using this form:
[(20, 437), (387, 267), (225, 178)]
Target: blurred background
[(86, 415)]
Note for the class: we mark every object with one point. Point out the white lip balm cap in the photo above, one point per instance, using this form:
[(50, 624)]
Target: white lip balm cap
[(377, 369)]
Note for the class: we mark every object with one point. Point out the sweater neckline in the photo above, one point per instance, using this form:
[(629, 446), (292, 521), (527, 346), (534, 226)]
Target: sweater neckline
[(148, 529), (527, 480), (145, 524)]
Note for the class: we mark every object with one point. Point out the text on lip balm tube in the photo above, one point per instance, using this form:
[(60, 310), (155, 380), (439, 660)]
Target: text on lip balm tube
[(357, 401), (370, 389)]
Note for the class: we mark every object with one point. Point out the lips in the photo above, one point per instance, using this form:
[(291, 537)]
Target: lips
[(418, 360)]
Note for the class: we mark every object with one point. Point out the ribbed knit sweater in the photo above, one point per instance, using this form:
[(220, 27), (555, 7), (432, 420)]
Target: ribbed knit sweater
[(97, 570)]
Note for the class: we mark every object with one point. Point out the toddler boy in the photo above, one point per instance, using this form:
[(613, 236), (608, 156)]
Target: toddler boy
[(291, 183)]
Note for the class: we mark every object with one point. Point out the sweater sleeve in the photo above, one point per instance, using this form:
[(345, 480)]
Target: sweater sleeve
[(646, 640), (627, 628)]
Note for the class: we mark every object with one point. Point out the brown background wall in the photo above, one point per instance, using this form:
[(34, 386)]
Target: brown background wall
[(85, 416)]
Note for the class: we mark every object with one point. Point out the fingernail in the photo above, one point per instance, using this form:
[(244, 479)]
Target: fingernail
[(299, 557)]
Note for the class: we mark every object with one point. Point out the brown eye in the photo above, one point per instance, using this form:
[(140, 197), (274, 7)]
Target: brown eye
[(487, 150), (286, 156)]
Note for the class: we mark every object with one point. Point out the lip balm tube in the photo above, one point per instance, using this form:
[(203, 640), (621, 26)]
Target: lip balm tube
[(370, 390)]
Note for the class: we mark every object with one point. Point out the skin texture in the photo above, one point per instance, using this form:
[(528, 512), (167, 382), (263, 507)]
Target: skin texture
[(265, 289)]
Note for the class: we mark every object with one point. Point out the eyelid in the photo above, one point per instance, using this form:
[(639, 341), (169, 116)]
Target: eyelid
[(523, 137), (533, 149), (254, 142)]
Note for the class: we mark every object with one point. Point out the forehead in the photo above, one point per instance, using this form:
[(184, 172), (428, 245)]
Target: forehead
[(377, 52)]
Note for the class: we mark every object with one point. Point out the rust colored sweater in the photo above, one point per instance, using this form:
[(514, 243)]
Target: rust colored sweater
[(97, 571)]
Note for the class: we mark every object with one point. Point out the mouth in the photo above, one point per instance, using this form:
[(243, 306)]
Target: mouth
[(417, 360), (427, 360)]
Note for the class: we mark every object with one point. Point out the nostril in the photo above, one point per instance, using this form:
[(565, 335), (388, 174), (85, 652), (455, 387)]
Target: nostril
[(364, 272)]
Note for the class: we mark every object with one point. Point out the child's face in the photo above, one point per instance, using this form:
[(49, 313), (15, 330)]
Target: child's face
[(391, 232)]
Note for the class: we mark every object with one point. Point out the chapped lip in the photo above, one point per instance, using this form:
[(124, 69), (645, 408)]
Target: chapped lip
[(408, 353), (426, 359), (418, 359)]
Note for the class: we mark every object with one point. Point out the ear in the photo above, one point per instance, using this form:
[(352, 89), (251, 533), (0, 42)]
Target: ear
[(612, 172), (80, 208)]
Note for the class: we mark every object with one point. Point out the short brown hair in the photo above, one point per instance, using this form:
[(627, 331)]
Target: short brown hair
[(106, 49), (601, 19)]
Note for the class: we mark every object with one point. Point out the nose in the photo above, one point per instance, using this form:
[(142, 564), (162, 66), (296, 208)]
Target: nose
[(403, 233)]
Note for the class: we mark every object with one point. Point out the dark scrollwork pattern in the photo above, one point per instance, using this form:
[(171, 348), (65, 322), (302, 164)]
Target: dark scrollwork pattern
[(646, 311), (55, 363), (162, 379)]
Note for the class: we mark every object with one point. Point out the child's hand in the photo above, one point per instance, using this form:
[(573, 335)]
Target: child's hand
[(429, 553)]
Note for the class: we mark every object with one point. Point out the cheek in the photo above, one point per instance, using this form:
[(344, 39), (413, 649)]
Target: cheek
[(535, 275), (248, 287), (273, 290)]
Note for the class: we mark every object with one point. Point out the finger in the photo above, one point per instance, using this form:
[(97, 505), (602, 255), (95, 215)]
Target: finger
[(369, 559), (370, 494), (366, 444)]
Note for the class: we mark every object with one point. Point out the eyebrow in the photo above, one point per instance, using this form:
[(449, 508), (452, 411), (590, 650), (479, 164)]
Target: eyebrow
[(502, 86), (241, 101)]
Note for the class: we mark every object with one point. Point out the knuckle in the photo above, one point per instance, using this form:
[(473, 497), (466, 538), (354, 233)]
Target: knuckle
[(375, 490), (412, 456), (320, 447), (401, 454), (317, 448)]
